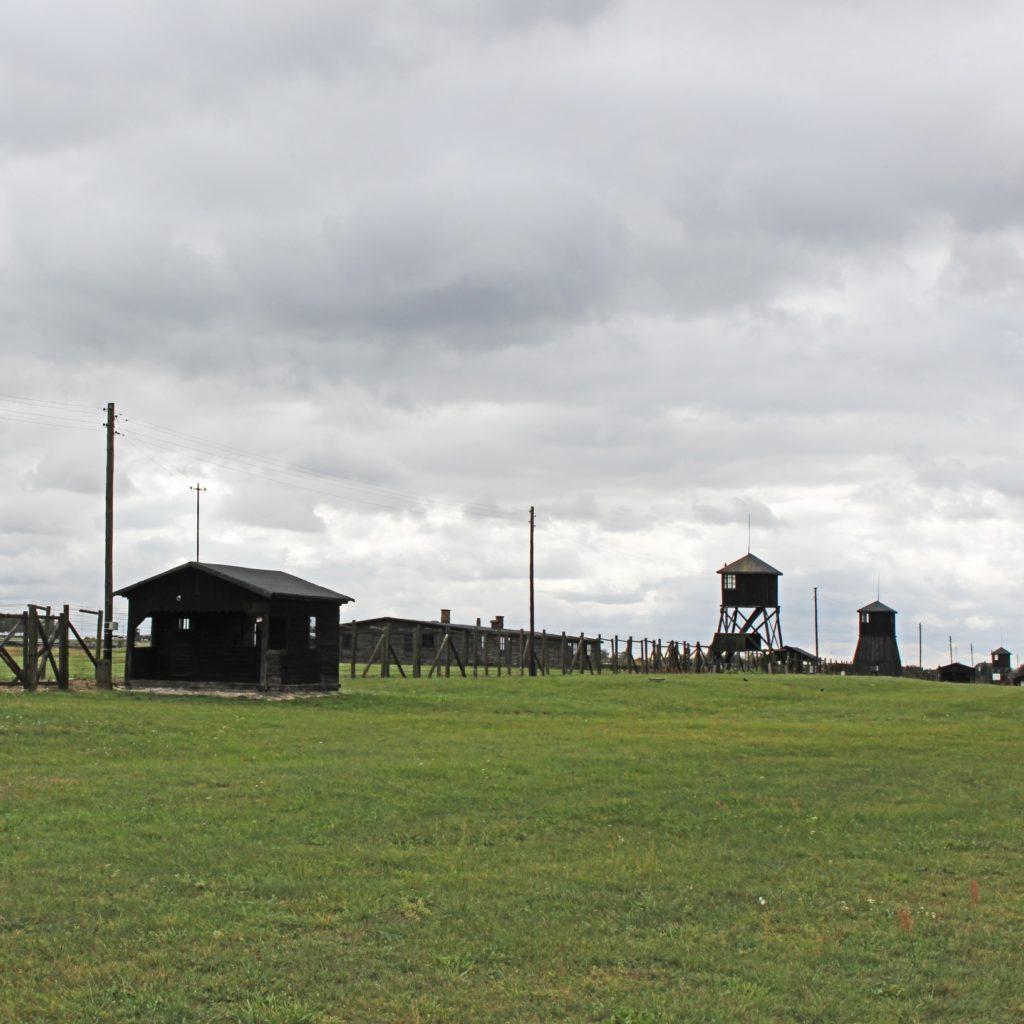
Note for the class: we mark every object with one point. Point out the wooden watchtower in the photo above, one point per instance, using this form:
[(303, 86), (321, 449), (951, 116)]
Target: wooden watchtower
[(878, 653), (748, 619), (1001, 667)]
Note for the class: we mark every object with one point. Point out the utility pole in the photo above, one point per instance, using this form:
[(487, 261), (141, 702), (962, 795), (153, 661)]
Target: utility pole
[(198, 490), (920, 649), (972, 655), (951, 659), (533, 624), (815, 623), (104, 668)]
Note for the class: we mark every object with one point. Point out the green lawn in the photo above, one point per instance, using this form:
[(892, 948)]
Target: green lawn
[(590, 849)]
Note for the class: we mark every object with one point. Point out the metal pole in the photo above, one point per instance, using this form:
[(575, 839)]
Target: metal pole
[(951, 650), (920, 649), (533, 624), (105, 675)]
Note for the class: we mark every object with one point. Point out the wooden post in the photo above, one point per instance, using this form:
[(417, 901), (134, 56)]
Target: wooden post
[(447, 642), (385, 652), (508, 656), (615, 654), (355, 644), (64, 681), (565, 652), (600, 651), (544, 652), (487, 654), (104, 664), (28, 648), (264, 682), (129, 649), (522, 651), (476, 651), (417, 651)]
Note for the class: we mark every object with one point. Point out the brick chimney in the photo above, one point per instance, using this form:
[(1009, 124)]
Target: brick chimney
[(446, 616), (498, 622)]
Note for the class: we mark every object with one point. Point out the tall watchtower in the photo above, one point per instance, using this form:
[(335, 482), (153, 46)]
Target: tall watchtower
[(1001, 664), (748, 619), (877, 653)]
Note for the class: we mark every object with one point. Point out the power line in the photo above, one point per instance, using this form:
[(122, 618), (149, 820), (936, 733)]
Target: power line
[(202, 445), (421, 501), (24, 400)]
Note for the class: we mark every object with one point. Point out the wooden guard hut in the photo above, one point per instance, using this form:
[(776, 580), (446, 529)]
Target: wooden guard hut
[(878, 653), (956, 672), (748, 618), (230, 627)]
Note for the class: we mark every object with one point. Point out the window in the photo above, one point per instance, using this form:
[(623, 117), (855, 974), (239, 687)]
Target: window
[(729, 582), (184, 625), (312, 632), (865, 617)]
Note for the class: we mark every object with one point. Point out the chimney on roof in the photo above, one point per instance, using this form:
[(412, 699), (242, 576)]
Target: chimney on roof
[(498, 622), (446, 616)]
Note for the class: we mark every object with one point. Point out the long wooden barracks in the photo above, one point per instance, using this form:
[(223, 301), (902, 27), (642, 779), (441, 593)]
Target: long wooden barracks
[(227, 626), (440, 643)]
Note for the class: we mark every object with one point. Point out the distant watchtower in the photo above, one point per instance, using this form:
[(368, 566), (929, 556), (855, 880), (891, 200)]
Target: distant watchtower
[(749, 616), (1001, 664), (877, 654)]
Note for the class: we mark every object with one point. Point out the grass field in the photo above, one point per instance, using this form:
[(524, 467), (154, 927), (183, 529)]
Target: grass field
[(594, 849)]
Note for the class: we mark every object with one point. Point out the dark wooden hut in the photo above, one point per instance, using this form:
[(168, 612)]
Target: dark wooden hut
[(955, 672), (227, 626), (878, 652), (748, 618)]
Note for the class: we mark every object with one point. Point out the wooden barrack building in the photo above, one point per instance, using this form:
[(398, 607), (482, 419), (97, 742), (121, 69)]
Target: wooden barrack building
[(232, 627)]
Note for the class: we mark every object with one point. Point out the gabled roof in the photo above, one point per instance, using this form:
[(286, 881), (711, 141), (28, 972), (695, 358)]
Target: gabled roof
[(1000, 650), (877, 606), (751, 565), (264, 582)]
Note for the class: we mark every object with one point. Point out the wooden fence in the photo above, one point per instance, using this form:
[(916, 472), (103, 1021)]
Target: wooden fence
[(479, 651), (35, 641)]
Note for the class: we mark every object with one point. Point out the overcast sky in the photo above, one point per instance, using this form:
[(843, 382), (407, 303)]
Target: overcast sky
[(649, 266)]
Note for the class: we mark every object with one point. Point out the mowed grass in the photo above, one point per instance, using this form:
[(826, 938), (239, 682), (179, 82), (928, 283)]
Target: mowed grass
[(602, 849)]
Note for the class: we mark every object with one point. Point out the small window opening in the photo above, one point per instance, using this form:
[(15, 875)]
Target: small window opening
[(865, 617), (312, 632), (184, 625), (730, 581)]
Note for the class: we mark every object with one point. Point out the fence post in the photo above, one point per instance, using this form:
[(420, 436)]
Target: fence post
[(417, 650), (600, 649), (476, 651), (29, 663), (353, 653), (385, 652), (62, 649)]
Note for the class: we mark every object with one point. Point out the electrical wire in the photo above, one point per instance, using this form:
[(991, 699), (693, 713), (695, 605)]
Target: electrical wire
[(203, 445)]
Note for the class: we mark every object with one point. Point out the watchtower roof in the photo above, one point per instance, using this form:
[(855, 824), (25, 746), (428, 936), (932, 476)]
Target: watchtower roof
[(749, 565), (1000, 650), (877, 606)]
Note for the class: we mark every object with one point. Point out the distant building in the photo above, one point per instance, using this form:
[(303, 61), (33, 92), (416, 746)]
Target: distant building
[(877, 651), (1002, 671), (492, 645), (956, 672), (227, 626)]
